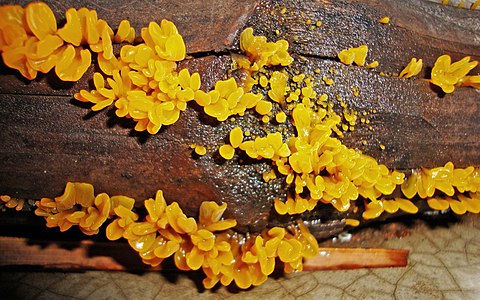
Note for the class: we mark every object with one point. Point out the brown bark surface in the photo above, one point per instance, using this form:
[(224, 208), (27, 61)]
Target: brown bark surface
[(48, 139)]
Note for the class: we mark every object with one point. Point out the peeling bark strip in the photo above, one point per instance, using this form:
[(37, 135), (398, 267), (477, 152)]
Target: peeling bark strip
[(114, 256), (354, 258), (48, 138)]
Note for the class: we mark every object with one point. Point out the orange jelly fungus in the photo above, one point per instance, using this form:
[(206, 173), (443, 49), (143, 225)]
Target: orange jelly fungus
[(12, 202), (206, 243)]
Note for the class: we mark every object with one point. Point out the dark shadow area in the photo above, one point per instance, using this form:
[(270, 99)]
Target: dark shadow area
[(438, 90)]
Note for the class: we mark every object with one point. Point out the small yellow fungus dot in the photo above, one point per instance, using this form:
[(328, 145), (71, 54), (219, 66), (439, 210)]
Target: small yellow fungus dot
[(308, 22), (263, 81), (277, 32), (382, 147), (283, 11), (267, 176), (263, 107), (318, 23), (364, 143), (281, 117), (370, 127), (372, 65), (352, 222), (265, 119), (247, 133), (356, 91), (236, 137), (384, 20), (200, 150), (317, 71), (298, 78), (226, 151), (328, 81)]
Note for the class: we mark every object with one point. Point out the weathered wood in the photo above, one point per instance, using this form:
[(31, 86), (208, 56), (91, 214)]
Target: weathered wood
[(48, 138), (355, 258), (115, 256)]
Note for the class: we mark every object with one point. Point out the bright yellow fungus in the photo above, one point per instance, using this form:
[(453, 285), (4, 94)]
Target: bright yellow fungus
[(226, 151), (281, 117), (352, 222), (227, 99), (236, 137), (384, 20), (412, 69), (278, 86), (263, 107), (261, 53), (200, 150), (205, 243), (328, 81), (372, 65), (354, 55), (40, 19), (446, 74), (267, 176)]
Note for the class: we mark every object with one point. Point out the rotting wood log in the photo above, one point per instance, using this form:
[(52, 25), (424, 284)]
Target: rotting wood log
[(48, 138)]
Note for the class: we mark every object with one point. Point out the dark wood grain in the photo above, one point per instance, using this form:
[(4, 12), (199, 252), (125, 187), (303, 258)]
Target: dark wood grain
[(47, 138)]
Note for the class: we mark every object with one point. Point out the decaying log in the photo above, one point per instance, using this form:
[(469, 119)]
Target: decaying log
[(48, 139)]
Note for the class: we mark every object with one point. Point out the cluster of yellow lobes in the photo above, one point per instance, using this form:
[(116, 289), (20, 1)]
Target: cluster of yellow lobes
[(207, 242), (143, 83)]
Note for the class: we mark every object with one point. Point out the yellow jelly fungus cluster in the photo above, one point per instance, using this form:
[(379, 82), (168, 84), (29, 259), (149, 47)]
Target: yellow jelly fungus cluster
[(327, 169), (79, 206), (261, 53), (207, 243), (227, 99), (12, 202), (446, 74), (356, 55), (30, 41), (412, 69), (143, 82)]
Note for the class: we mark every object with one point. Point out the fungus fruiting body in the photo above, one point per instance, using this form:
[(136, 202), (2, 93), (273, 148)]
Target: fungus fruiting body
[(144, 83)]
